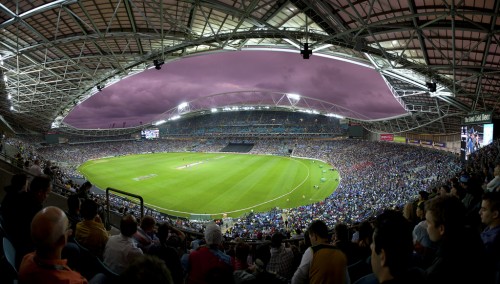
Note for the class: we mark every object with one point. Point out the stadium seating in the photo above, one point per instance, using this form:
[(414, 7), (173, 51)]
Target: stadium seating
[(9, 271), (90, 265)]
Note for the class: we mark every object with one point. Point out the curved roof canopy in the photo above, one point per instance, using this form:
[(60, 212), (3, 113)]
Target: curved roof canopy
[(55, 53)]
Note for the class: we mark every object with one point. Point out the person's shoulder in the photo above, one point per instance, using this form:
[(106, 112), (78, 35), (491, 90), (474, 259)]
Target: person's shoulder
[(319, 247)]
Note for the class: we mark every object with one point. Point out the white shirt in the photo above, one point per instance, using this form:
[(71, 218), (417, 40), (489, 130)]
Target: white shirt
[(36, 170), (302, 273), (494, 183), (120, 251)]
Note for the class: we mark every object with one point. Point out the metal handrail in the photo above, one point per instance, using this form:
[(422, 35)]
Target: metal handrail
[(124, 193)]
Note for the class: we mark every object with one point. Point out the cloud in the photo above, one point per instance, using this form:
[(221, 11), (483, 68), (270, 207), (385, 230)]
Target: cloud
[(144, 96)]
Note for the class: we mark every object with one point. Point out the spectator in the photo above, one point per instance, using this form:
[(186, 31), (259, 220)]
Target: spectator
[(73, 214), (90, 233), (84, 190), (146, 269), (121, 249), (422, 244), (50, 231), (168, 254), (240, 259), (19, 213), (145, 235), (392, 249), (35, 169), (208, 259), (490, 216), (410, 214), (365, 239), (341, 241), (260, 275), (423, 196), (281, 261), (494, 184), (48, 170), (456, 245), (444, 190), (18, 184), (321, 263)]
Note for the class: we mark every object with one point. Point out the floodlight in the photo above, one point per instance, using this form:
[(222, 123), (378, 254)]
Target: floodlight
[(431, 86), (294, 97), (175, 117), (182, 106), (214, 110), (5, 78), (158, 63), (306, 52)]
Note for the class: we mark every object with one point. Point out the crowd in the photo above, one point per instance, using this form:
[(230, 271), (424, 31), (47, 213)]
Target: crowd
[(449, 231), (374, 175)]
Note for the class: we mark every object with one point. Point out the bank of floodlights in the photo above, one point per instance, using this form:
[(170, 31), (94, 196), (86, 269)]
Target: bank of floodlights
[(183, 107)]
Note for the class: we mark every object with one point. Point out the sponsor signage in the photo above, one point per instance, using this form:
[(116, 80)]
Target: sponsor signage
[(478, 118), (439, 144), (426, 142), (413, 141), (386, 137), (400, 139)]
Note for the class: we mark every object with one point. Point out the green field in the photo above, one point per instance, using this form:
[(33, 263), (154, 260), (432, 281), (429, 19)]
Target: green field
[(183, 184)]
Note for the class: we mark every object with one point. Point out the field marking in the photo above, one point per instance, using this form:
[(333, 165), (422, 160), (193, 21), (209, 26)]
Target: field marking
[(243, 209), (198, 163), (188, 165), (145, 177)]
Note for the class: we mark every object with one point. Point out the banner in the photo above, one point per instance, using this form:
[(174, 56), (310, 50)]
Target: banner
[(413, 141), (386, 137), (400, 139), (478, 118), (440, 144), (426, 142)]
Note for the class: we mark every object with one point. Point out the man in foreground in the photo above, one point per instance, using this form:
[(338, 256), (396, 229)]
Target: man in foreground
[(50, 232)]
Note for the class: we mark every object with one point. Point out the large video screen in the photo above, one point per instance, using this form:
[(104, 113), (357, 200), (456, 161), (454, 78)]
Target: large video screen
[(150, 134), (476, 137)]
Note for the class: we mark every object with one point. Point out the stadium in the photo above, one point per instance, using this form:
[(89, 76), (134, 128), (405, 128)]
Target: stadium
[(260, 116)]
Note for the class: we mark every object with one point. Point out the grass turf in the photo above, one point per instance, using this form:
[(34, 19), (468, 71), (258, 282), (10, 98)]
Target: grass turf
[(183, 184)]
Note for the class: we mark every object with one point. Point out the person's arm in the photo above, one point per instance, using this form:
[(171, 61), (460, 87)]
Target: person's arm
[(302, 273), (181, 235)]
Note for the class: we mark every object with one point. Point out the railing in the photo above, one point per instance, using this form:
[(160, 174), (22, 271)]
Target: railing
[(108, 209)]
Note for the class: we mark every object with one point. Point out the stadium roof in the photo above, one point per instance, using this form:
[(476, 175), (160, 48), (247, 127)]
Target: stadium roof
[(55, 53)]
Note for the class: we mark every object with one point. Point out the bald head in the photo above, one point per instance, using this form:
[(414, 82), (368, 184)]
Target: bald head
[(48, 230)]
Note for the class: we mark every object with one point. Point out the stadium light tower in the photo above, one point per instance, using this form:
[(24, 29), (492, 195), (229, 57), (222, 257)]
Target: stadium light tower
[(158, 63), (183, 107), (293, 98)]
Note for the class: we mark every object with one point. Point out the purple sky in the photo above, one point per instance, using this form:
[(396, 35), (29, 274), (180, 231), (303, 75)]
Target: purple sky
[(144, 96)]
